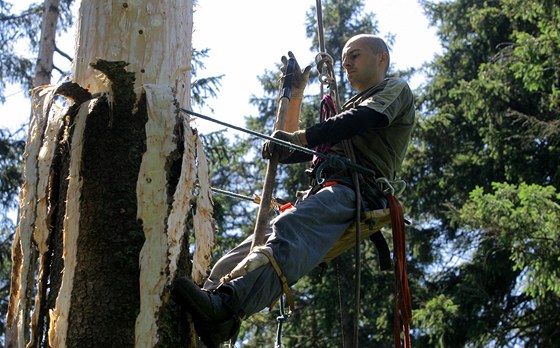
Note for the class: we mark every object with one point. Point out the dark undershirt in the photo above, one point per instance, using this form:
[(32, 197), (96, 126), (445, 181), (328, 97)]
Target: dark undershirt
[(342, 126)]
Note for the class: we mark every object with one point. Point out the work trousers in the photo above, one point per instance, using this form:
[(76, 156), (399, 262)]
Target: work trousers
[(299, 239)]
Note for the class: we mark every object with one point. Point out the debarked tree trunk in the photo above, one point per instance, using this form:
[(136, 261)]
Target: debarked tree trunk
[(108, 200)]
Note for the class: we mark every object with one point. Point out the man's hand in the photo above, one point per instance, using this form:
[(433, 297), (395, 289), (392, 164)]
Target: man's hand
[(300, 78), (270, 148)]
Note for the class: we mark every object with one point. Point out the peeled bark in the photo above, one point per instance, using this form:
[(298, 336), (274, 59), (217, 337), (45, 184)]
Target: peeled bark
[(109, 187)]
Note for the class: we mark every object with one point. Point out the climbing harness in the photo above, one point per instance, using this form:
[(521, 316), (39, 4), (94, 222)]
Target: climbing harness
[(328, 109)]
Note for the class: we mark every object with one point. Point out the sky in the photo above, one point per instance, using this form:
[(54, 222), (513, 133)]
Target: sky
[(247, 37)]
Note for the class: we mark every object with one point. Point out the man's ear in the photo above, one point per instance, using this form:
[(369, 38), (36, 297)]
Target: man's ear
[(384, 57)]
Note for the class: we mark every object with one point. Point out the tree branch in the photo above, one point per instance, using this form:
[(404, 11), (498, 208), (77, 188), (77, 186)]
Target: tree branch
[(57, 50)]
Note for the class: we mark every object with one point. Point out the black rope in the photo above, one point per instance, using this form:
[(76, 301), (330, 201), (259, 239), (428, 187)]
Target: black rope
[(257, 134), (232, 194), (339, 160), (281, 319)]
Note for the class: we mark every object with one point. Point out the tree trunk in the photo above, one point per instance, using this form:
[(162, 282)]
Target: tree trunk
[(44, 65), (109, 181)]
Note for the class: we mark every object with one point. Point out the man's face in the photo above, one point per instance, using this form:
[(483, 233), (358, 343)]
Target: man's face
[(363, 67)]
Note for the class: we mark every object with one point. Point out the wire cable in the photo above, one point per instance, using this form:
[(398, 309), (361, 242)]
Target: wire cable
[(341, 160)]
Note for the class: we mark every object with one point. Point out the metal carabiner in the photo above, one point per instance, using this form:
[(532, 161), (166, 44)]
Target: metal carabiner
[(386, 185), (324, 62), (390, 186)]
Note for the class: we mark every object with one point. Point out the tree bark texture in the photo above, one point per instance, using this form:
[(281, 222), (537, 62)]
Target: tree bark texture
[(110, 183), (152, 36)]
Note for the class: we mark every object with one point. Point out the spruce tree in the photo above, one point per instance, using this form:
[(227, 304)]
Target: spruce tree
[(486, 148)]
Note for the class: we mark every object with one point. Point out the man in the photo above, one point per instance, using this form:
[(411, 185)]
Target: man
[(378, 121)]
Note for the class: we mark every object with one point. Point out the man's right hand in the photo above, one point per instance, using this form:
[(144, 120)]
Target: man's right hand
[(270, 148), (300, 78)]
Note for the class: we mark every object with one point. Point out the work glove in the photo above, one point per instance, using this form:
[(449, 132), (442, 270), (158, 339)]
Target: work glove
[(270, 148), (300, 78)]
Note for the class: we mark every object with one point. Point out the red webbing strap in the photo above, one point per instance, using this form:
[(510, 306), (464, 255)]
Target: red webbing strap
[(328, 109), (403, 305)]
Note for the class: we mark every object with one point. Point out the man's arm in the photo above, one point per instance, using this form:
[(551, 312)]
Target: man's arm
[(292, 114), (337, 128), (299, 82), (345, 125)]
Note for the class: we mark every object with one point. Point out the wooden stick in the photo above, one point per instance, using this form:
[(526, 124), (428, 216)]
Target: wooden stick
[(272, 167)]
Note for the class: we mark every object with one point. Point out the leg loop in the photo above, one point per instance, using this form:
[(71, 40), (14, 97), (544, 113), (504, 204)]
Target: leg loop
[(283, 280)]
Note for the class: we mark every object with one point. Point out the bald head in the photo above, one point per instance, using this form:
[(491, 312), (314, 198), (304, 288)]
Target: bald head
[(365, 58), (376, 44)]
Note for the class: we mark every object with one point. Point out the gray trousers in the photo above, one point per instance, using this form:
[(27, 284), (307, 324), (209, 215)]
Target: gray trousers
[(299, 239)]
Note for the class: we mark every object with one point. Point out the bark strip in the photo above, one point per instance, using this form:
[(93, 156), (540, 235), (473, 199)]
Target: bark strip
[(42, 230), (204, 230), (23, 250), (152, 210), (60, 314), (182, 200)]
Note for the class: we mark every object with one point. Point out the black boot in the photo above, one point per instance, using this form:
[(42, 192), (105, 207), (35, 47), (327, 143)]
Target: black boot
[(214, 322)]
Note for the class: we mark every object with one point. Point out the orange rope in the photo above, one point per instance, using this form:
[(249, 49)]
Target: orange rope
[(403, 305)]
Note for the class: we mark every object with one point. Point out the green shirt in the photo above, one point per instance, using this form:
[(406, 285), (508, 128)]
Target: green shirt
[(383, 149)]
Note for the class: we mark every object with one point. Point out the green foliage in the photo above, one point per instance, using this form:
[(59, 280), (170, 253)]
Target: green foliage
[(203, 88), (488, 123), (11, 151), (484, 116), (482, 173), (524, 219), (435, 316), (503, 278)]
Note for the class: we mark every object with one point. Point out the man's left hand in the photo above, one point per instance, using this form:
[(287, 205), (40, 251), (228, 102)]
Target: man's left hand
[(270, 148)]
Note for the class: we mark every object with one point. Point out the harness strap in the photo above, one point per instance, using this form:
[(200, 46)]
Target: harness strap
[(283, 280), (328, 109), (403, 305), (383, 253)]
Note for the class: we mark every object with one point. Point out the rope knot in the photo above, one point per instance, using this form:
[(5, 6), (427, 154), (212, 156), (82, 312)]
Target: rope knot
[(325, 64)]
